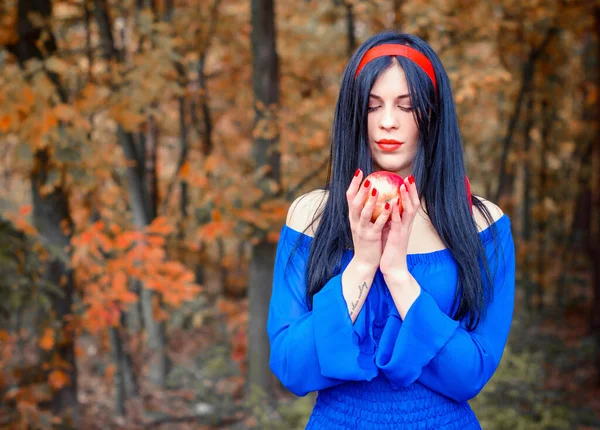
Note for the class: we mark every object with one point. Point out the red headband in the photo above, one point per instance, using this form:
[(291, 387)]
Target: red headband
[(399, 50)]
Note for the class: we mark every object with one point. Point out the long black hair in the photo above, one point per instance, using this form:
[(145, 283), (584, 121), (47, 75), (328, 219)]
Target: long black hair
[(437, 167)]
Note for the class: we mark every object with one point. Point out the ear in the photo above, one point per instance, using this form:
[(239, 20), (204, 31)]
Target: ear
[(468, 187)]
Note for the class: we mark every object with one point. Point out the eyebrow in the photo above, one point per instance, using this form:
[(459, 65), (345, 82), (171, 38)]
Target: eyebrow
[(375, 96)]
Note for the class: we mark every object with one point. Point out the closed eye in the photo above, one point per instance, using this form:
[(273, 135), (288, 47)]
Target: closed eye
[(402, 108)]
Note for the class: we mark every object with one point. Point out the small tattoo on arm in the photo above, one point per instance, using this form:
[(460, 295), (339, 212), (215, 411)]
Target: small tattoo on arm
[(361, 288)]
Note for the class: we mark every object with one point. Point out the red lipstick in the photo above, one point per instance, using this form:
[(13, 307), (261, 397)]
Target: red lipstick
[(388, 145)]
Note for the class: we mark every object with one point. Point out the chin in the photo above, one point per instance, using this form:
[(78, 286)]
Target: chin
[(396, 168)]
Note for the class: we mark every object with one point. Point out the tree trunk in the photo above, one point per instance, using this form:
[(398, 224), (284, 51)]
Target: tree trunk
[(595, 249), (206, 131), (398, 13), (207, 143), (117, 350), (51, 215), (150, 178), (350, 28), (265, 84), (260, 279), (143, 194), (531, 288), (183, 190), (126, 386), (169, 10), (143, 214), (547, 119), (105, 29)]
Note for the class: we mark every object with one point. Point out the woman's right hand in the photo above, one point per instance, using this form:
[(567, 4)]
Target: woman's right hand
[(366, 235)]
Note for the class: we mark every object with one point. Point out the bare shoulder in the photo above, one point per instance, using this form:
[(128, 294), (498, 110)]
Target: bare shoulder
[(304, 209), (494, 210)]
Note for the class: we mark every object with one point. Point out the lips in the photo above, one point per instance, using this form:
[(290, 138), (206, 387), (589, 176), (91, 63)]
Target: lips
[(388, 145)]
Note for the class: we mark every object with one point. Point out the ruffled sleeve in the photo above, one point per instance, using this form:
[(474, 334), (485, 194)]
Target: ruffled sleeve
[(440, 352), (311, 349)]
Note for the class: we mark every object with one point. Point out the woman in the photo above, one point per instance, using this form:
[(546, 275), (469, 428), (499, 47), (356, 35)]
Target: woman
[(396, 323)]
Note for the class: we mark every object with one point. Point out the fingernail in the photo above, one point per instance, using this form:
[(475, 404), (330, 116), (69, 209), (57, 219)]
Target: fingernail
[(406, 187), (367, 183), (411, 179), (398, 202), (374, 192), (387, 205), (357, 172)]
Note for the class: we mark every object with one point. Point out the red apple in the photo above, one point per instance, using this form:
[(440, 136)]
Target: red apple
[(388, 190)]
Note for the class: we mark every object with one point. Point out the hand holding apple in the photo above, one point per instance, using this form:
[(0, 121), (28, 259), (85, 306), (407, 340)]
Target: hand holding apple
[(393, 262), (366, 228), (388, 187)]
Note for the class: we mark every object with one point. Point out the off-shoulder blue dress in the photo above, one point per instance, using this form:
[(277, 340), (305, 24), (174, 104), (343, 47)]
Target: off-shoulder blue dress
[(383, 372)]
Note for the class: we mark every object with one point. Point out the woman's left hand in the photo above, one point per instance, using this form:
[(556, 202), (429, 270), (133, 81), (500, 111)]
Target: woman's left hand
[(396, 232)]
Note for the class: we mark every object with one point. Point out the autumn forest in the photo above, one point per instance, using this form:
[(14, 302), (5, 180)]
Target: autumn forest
[(150, 150)]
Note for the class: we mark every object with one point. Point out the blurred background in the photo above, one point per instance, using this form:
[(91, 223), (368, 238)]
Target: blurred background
[(150, 150)]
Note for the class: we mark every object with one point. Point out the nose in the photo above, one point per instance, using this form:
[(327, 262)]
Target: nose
[(389, 119)]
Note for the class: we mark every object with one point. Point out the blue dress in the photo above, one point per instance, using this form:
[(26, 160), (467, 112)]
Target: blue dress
[(383, 372)]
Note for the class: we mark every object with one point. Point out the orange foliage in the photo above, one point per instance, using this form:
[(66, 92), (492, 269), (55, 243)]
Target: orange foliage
[(21, 222), (5, 122), (58, 379), (184, 171), (25, 210), (47, 339), (106, 258)]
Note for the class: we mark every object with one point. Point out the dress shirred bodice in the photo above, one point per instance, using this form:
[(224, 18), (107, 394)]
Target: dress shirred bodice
[(376, 405)]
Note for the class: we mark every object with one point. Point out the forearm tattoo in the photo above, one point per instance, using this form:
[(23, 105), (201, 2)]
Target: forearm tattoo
[(361, 288)]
